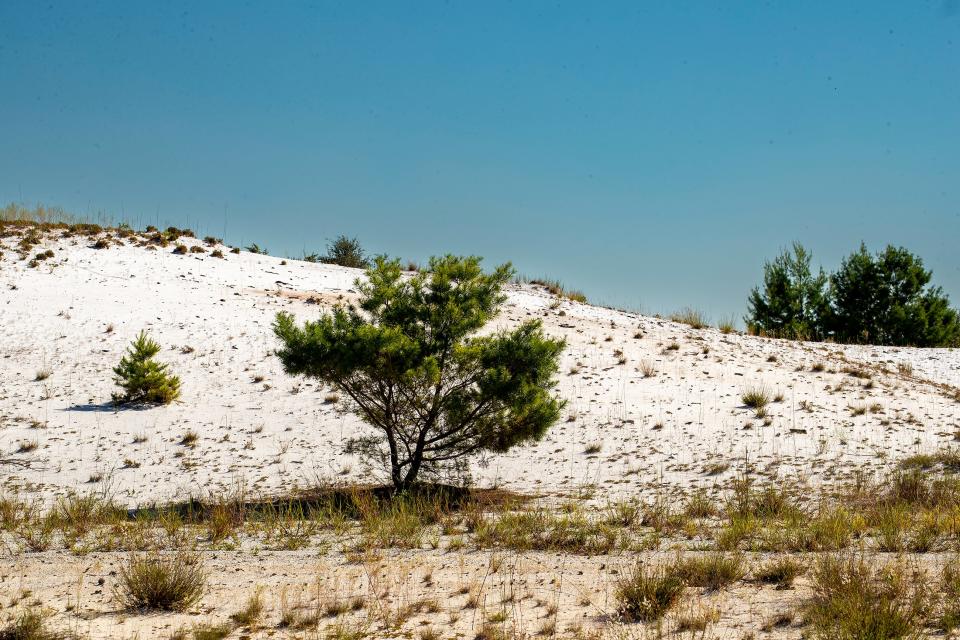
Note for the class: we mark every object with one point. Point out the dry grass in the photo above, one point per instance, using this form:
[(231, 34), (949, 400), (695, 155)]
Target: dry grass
[(690, 317), (31, 625), (711, 571), (646, 593), (756, 397), (856, 599), (780, 571), (251, 613), (167, 582)]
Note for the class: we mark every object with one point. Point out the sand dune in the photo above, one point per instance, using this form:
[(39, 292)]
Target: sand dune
[(682, 428)]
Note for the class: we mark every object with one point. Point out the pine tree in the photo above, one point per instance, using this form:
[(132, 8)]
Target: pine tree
[(413, 367), (888, 299), (142, 378), (793, 302)]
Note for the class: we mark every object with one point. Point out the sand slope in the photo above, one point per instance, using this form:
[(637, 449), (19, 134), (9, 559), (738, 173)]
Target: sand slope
[(682, 428)]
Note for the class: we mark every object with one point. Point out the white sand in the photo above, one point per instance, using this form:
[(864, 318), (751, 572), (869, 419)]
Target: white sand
[(661, 431)]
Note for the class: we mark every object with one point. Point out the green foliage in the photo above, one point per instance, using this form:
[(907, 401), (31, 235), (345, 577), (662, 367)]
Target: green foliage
[(410, 362), (881, 299), (885, 299), (793, 302), (142, 378), (345, 252)]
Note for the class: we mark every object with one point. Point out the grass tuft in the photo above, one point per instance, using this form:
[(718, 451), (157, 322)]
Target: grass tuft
[(644, 593), (712, 571), (690, 317), (755, 397), (166, 582)]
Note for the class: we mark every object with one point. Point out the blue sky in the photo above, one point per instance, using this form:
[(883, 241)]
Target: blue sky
[(651, 154)]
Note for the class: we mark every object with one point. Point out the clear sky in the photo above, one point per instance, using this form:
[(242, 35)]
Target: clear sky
[(652, 154)]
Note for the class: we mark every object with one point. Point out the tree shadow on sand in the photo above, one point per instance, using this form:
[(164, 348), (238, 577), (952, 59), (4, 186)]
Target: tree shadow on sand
[(110, 406)]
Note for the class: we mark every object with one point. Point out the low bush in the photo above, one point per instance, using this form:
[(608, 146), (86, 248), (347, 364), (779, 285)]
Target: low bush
[(780, 572), (344, 252)]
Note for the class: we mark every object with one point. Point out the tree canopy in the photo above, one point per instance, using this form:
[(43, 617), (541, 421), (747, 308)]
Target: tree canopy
[(882, 299), (793, 302), (885, 299)]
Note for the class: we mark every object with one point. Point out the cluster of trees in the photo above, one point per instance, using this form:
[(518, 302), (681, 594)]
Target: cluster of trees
[(884, 298)]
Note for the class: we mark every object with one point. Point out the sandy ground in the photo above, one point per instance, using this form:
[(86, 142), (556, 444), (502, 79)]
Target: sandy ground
[(74, 315), (529, 592), (680, 429)]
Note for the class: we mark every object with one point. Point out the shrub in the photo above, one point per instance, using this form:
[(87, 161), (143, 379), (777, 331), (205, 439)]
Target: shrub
[(727, 326), (142, 378), (168, 582), (346, 252), (766, 501), (251, 613), (648, 368), (555, 287), (643, 593), (413, 338), (542, 530), (180, 249), (211, 631), (950, 586)]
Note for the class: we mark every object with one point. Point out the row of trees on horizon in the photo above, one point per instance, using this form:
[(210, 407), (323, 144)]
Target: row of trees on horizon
[(884, 299)]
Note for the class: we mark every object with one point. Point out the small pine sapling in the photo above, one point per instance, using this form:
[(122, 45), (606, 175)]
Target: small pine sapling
[(142, 378)]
